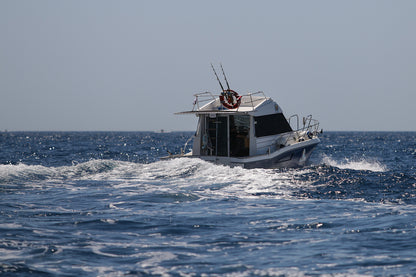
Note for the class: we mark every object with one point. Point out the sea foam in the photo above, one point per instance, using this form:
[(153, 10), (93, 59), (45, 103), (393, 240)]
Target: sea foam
[(356, 164)]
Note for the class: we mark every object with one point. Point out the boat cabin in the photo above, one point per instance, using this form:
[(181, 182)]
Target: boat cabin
[(247, 130)]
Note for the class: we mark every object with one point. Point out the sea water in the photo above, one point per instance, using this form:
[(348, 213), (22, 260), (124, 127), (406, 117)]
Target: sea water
[(104, 204)]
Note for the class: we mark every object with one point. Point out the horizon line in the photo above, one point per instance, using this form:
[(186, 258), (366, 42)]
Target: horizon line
[(161, 131)]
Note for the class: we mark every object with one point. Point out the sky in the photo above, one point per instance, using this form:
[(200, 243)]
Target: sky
[(102, 65)]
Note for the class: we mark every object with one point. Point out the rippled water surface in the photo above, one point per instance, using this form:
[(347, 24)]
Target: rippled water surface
[(102, 203)]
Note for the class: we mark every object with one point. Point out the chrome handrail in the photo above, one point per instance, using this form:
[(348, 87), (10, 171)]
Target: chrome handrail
[(183, 151), (309, 124), (205, 97), (297, 120), (309, 129)]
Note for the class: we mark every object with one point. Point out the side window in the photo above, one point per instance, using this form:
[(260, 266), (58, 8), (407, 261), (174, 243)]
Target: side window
[(272, 124)]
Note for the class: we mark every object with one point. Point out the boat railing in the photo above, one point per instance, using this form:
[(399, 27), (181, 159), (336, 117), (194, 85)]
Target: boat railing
[(297, 121), (309, 124), (203, 98), (183, 150), (309, 129), (258, 100)]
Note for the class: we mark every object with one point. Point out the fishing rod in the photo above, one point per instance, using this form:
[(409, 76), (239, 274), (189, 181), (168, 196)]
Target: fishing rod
[(225, 77), (218, 79)]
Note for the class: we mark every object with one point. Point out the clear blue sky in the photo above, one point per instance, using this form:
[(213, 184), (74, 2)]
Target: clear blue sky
[(129, 65)]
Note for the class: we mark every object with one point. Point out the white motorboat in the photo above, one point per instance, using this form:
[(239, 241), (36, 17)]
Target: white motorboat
[(249, 131)]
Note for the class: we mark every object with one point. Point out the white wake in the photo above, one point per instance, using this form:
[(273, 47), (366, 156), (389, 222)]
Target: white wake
[(356, 164)]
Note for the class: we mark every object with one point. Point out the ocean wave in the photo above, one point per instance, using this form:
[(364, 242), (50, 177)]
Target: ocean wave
[(356, 164)]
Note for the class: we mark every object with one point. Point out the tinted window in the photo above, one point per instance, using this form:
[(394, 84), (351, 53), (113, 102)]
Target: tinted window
[(239, 135), (272, 124)]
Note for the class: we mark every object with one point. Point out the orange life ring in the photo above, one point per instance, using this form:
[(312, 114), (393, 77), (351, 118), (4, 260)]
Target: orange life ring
[(227, 99)]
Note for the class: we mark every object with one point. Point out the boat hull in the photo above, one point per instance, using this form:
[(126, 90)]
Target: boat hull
[(296, 155)]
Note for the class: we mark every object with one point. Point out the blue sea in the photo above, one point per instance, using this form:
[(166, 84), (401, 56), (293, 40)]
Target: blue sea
[(104, 204)]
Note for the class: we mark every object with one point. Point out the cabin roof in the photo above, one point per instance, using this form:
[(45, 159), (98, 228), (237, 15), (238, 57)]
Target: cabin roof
[(206, 103)]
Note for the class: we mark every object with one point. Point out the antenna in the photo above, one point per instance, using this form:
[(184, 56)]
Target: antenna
[(225, 77), (218, 79)]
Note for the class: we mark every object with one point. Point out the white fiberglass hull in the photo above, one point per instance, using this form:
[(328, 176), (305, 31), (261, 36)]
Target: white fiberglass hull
[(295, 155)]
